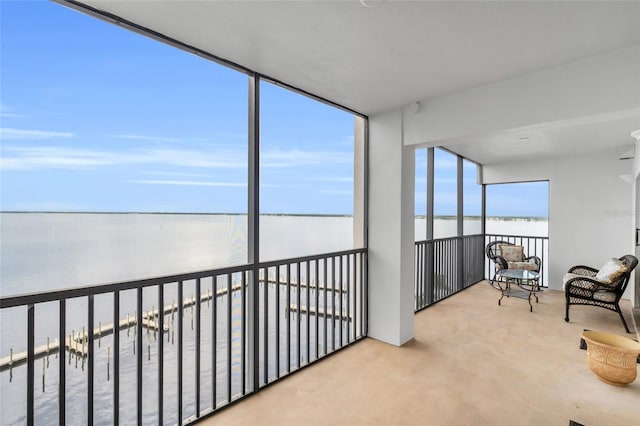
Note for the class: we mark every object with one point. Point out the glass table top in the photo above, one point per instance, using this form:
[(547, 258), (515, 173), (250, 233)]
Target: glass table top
[(519, 274)]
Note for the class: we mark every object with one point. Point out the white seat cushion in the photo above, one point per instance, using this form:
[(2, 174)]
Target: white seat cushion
[(605, 296), (567, 277)]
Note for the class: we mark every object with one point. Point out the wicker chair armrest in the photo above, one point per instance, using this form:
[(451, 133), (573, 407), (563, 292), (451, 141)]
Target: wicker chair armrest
[(587, 271), (585, 286), (535, 259), (500, 262)]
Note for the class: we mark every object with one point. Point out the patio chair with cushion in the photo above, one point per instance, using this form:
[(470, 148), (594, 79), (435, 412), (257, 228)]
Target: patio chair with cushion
[(584, 285), (506, 255)]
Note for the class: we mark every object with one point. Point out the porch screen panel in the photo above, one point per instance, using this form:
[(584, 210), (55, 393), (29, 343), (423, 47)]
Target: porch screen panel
[(445, 201), (421, 195), (472, 199), (123, 158)]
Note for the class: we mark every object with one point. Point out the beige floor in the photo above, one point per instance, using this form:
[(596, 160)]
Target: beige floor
[(472, 362)]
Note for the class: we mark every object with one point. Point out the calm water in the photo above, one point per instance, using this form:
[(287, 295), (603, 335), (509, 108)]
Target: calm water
[(50, 251)]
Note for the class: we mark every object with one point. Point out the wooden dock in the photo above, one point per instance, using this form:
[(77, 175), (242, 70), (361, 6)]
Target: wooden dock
[(320, 312), (77, 345)]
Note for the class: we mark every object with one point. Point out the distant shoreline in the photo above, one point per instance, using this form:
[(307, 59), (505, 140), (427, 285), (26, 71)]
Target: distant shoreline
[(175, 213), (442, 217)]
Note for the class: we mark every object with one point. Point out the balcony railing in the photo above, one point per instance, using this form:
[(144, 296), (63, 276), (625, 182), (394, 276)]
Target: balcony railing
[(175, 349), (445, 266), (533, 246)]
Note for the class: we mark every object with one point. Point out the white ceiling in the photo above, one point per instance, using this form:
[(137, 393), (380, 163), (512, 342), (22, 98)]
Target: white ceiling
[(566, 138), (375, 55)]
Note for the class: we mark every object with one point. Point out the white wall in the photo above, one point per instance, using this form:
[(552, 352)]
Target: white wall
[(590, 210), (391, 223)]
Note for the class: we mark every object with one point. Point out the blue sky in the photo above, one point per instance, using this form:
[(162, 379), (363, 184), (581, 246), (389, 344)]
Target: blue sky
[(524, 199), (97, 118)]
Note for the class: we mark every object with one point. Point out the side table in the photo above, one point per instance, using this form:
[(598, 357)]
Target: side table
[(518, 283)]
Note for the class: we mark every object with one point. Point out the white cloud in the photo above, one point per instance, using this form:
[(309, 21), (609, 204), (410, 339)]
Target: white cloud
[(21, 157), (7, 133), (297, 158), (339, 192), (37, 157), (223, 159), (178, 174), (6, 112), (189, 183), (147, 138), (51, 157), (344, 179)]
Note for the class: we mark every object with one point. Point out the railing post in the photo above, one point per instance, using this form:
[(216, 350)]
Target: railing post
[(253, 240)]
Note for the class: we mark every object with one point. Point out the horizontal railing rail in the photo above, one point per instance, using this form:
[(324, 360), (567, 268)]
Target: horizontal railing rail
[(188, 348), (533, 246), (445, 266)]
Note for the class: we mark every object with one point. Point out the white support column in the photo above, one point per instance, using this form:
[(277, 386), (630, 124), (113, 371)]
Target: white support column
[(634, 287), (391, 223)]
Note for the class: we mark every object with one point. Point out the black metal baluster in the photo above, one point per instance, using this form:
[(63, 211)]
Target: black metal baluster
[(62, 372), (340, 297), (197, 348), (214, 342), (418, 262), (357, 259), (349, 282), (139, 355), (326, 309), (317, 293), (298, 314), (116, 358), (307, 272), (90, 360), (180, 344), (288, 315), (333, 303), (276, 344), (30, 363), (161, 354), (265, 316), (243, 333), (229, 326)]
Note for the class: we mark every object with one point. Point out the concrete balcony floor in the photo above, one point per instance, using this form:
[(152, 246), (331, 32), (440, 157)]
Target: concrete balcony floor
[(472, 362)]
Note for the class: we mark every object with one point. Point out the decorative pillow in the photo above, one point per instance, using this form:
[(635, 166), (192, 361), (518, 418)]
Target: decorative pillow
[(611, 271), (512, 253)]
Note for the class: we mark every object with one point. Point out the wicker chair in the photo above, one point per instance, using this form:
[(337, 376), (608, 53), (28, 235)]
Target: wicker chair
[(493, 253), (581, 288)]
